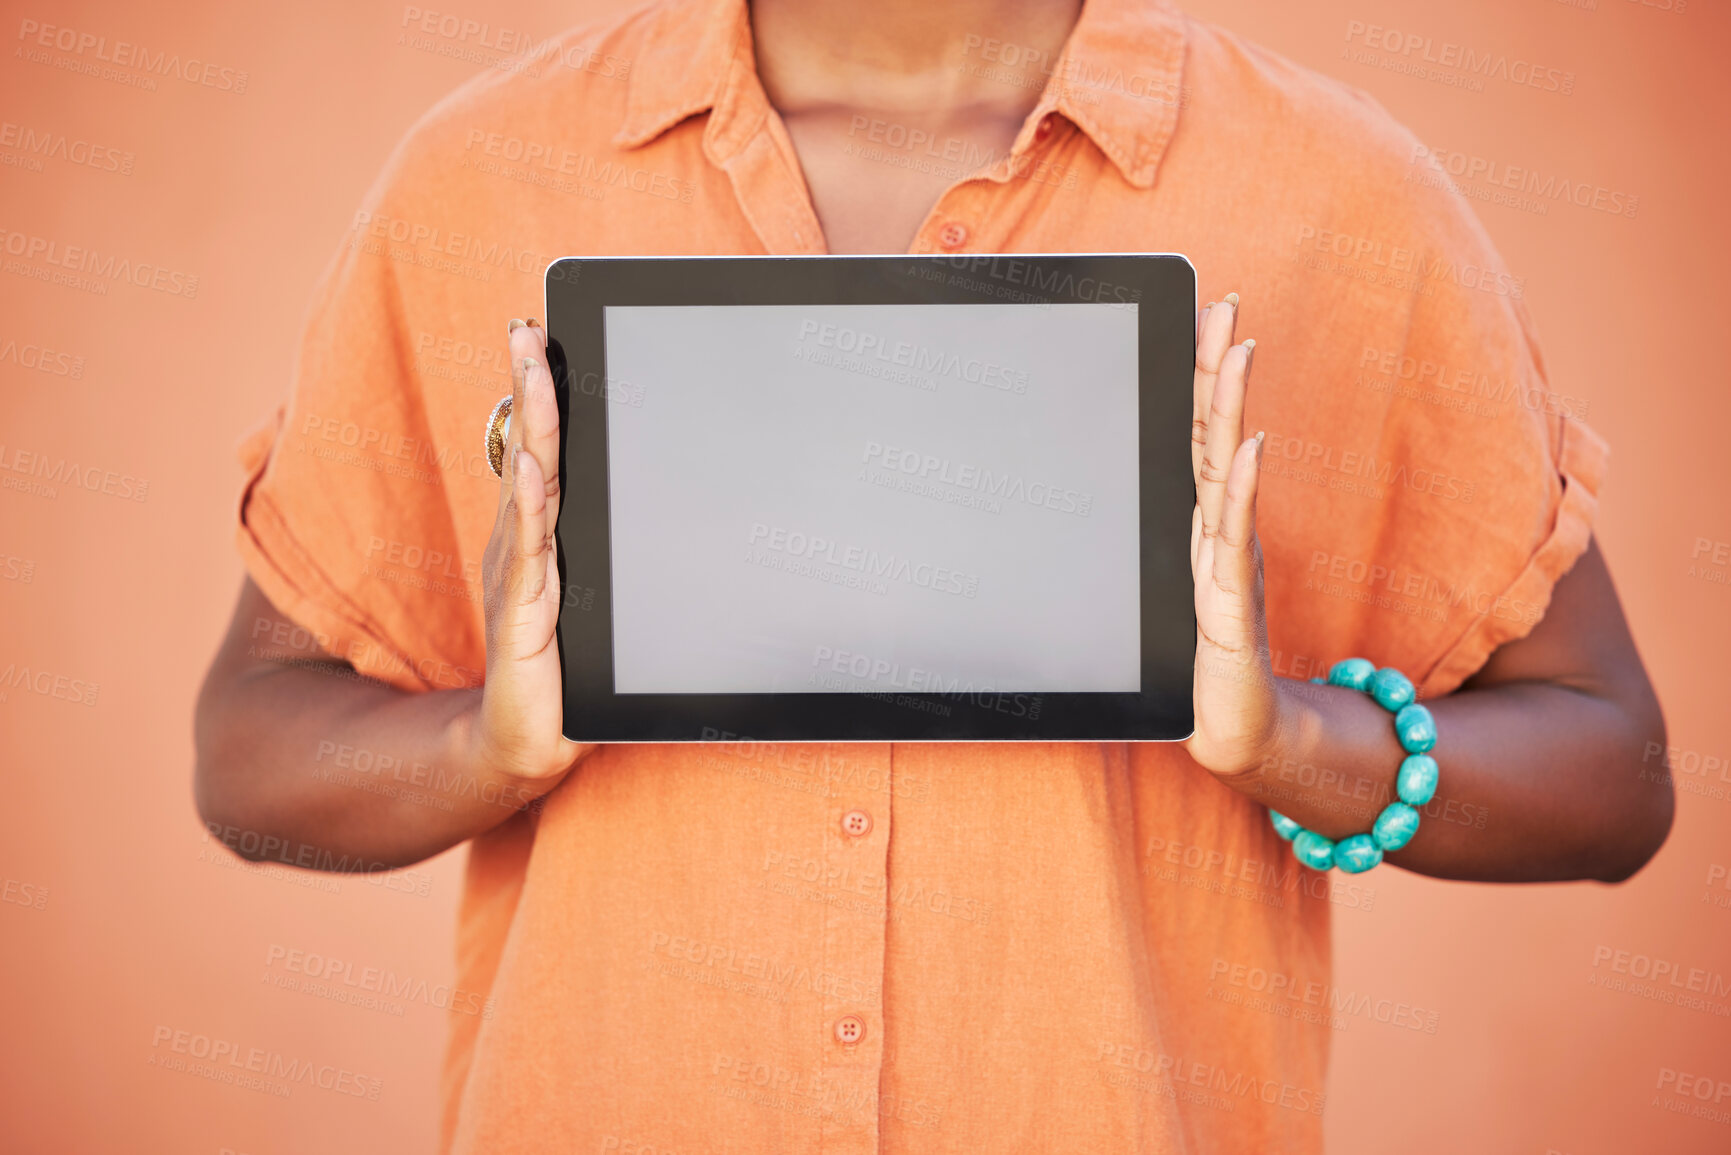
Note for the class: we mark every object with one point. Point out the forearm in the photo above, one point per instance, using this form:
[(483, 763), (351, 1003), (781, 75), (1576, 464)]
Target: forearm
[(313, 765), (1538, 780), (302, 760)]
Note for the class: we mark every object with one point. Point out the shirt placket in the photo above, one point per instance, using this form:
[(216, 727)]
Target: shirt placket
[(855, 856), (747, 141)]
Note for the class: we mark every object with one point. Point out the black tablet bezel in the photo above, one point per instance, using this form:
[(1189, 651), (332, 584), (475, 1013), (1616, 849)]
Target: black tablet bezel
[(1163, 287)]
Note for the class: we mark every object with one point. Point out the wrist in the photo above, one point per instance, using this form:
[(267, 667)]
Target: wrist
[(481, 760), (1293, 728), (1351, 739)]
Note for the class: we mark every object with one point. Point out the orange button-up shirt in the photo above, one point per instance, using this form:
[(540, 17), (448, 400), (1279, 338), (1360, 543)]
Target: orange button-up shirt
[(749, 947)]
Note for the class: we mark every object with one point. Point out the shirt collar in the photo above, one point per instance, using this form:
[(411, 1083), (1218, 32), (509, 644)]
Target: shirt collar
[(1119, 78)]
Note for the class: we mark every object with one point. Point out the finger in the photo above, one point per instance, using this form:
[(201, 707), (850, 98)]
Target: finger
[(1214, 331), (538, 431), (1235, 560), (532, 539), (1225, 433), (528, 339), (535, 415), (512, 426), (534, 331)]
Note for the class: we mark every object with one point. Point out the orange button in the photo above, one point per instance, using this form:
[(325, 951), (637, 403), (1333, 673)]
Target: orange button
[(953, 236), (857, 823), (1045, 128), (849, 1029)]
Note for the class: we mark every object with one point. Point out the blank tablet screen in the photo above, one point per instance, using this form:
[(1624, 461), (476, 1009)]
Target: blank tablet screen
[(874, 498)]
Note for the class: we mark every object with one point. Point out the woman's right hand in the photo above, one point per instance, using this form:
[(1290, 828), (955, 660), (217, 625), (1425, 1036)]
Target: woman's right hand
[(519, 729)]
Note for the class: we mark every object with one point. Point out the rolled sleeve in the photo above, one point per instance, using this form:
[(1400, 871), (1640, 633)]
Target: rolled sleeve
[(345, 520)]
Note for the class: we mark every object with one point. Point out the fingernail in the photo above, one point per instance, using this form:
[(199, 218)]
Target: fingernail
[(1232, 299), (514, 326), (1209, 305), (1249, 352), (532, 323), (1259, 445), (528, 365)]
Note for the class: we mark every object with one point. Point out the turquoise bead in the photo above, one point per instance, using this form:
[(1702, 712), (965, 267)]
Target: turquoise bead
[(1352, 673), (1357, 854), (1391, 689), (1416, 783), (1395, 826), (1415, 728), (1284, 826), (1313, 850)]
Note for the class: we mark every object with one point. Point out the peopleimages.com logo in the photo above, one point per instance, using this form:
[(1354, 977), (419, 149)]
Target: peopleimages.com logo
[(868, 564), (92, 54)]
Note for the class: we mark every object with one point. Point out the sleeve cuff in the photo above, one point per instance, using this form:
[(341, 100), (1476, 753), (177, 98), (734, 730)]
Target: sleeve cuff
[(287, 574), (1581, 458)]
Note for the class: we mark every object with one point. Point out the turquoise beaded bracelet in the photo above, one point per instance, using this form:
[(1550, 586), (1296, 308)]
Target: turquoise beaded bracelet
[(1415, 784)]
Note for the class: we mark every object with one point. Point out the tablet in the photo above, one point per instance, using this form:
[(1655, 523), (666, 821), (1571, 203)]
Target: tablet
[(865, 499)]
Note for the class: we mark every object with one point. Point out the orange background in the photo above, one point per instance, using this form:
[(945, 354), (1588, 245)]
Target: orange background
[(119, 919)]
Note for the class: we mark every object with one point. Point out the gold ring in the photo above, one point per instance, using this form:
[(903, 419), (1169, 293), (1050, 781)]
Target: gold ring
[(498, 431)]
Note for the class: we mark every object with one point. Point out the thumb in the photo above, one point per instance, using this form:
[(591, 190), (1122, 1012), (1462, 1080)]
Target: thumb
[(1237, 562)]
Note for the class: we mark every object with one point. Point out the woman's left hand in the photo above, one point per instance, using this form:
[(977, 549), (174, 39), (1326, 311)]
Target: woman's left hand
[(1236, 696)]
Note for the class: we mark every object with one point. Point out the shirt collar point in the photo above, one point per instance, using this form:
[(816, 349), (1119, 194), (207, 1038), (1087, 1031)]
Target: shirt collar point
[(1137, 159), (1141, 175), (643, 124), (681, 67), (1120, 81), (632, 135)]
